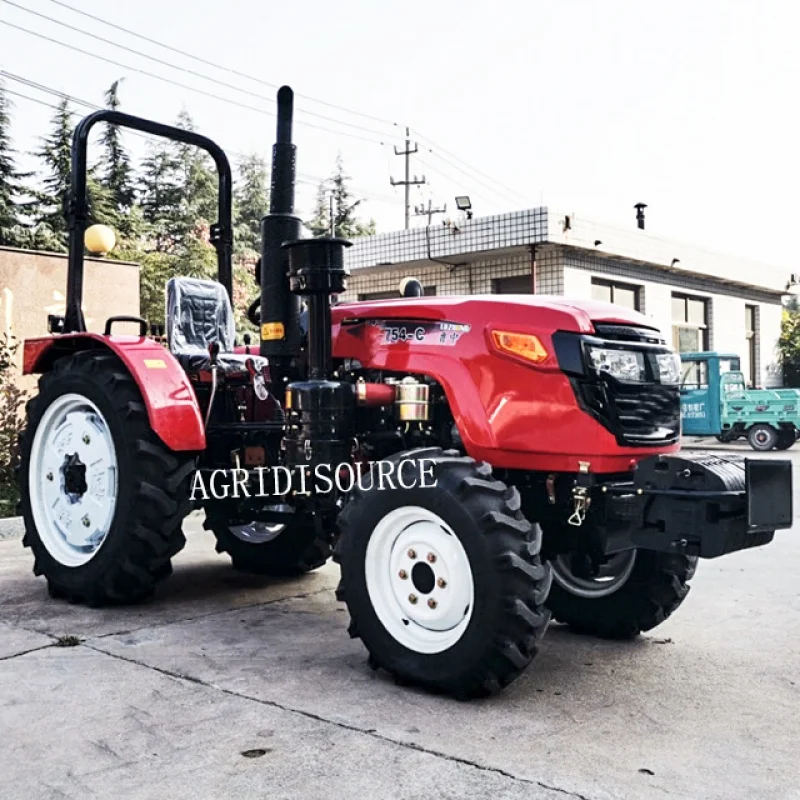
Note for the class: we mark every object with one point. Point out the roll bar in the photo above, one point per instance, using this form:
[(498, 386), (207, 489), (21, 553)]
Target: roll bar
[(77, 211)]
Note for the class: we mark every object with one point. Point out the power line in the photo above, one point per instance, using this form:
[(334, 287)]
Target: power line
[(181, 85), (304, 178), (453, 180), (200, 60), (436, 151), (504, 195), (186, 70), (472, 169)]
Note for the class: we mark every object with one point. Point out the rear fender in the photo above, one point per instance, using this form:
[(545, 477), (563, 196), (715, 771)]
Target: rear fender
[(171, 403)]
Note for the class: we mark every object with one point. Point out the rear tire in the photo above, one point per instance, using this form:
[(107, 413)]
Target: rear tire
[(296, 550), (109, 536), (652, 588), (762, 437), (444, 584)]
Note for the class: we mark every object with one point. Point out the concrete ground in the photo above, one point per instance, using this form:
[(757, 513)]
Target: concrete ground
[(232, 686)]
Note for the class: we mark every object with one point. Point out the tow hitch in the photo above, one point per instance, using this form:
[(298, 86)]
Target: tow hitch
[(699, 505)]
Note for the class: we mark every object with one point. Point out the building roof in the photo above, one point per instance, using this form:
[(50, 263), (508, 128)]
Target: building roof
[(488, 237)]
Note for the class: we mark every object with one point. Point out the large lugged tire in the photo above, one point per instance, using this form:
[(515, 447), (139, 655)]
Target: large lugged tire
[(444, 584), (102, 497), (642, 588), (280, 551)]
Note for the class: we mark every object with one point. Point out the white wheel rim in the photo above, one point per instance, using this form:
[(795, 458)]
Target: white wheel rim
[(72, 524), (419, 580), (611, 577)]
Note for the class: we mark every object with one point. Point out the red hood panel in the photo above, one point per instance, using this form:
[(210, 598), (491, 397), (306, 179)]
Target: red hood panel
[(554, 311)]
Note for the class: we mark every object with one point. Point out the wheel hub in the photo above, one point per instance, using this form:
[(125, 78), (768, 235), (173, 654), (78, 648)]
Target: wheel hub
[(73, 479), (419, 579), (74, 473)]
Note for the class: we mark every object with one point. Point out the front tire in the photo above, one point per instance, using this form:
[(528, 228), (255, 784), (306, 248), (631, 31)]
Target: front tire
[(102, 497), (640, 591), (444, 584)]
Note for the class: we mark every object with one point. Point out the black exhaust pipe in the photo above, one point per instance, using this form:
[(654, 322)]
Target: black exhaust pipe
[(280, 308)]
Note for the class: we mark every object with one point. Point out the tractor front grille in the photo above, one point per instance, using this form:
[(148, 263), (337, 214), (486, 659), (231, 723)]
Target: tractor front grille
[(638, 414), (646, 415)]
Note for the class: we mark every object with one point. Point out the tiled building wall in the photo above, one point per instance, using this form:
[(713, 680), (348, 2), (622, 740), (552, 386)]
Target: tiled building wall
[(513, 230), (473, 278)]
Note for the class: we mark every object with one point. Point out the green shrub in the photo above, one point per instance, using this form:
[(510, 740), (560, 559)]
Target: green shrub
[(11, 402)]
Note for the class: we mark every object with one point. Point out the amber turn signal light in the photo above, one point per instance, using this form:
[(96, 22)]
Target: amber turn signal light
[(522, 345)]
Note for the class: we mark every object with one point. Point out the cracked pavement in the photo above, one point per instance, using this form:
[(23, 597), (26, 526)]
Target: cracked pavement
[(228, 685)]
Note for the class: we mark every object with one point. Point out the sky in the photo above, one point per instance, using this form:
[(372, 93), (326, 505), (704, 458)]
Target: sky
[(587, 105)]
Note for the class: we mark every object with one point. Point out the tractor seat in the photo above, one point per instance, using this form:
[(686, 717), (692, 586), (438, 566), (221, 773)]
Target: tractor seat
[(198, 314)]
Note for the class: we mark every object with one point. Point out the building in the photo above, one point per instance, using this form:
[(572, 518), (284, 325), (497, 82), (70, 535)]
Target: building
[(33, 284), (698, 299)]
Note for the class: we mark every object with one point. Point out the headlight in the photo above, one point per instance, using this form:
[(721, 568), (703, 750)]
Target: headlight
[(624, 365), (669, 368)]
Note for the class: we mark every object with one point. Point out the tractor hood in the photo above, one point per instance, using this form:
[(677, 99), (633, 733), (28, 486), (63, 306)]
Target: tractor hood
[(553, 312)]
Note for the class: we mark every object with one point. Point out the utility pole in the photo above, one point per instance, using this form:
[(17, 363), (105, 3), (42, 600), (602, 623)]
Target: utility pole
[(421, 211), (408, 183)]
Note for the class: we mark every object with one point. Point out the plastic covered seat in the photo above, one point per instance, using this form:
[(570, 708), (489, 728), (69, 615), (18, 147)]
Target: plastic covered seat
[(198, 314)]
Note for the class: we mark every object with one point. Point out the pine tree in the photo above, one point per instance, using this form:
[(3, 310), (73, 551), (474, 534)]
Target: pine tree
[(346, 223), (199, 201), (116, 174), (161, 194), (51, 224), (320, 223), (12, 227), (250, 203)]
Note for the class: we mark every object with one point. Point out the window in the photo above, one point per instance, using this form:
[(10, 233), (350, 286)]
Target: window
[(517, 284), (751, 338), (694, 375), (689, 323), (393, 294), (620, 294)]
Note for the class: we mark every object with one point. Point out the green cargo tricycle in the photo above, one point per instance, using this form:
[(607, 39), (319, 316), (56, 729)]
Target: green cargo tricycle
[(716, 402)]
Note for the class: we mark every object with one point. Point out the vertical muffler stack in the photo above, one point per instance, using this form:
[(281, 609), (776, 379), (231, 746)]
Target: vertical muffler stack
[(320, 411), (280, 309)]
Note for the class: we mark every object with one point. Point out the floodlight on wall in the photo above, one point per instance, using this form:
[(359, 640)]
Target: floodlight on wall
[(463, 203), (675, 262)]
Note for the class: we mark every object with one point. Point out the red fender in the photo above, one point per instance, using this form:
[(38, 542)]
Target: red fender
[(170, 400)]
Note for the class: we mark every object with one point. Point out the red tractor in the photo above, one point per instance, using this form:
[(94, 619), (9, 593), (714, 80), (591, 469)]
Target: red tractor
[(475, 465)]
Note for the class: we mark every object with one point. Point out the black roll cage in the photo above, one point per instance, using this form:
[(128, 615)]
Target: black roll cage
[(78, 207)]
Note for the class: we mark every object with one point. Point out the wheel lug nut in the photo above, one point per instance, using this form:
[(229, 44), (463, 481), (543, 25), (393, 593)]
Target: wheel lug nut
[(412, 598), (441, 583), (86, 522), (403, 574), (412, 554), (431, 603), (86, 438), (431, 558), (49, 476)]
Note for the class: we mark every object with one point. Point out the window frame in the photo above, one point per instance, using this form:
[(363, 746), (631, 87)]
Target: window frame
[(702, 329), (751, 337), (612, 285)]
